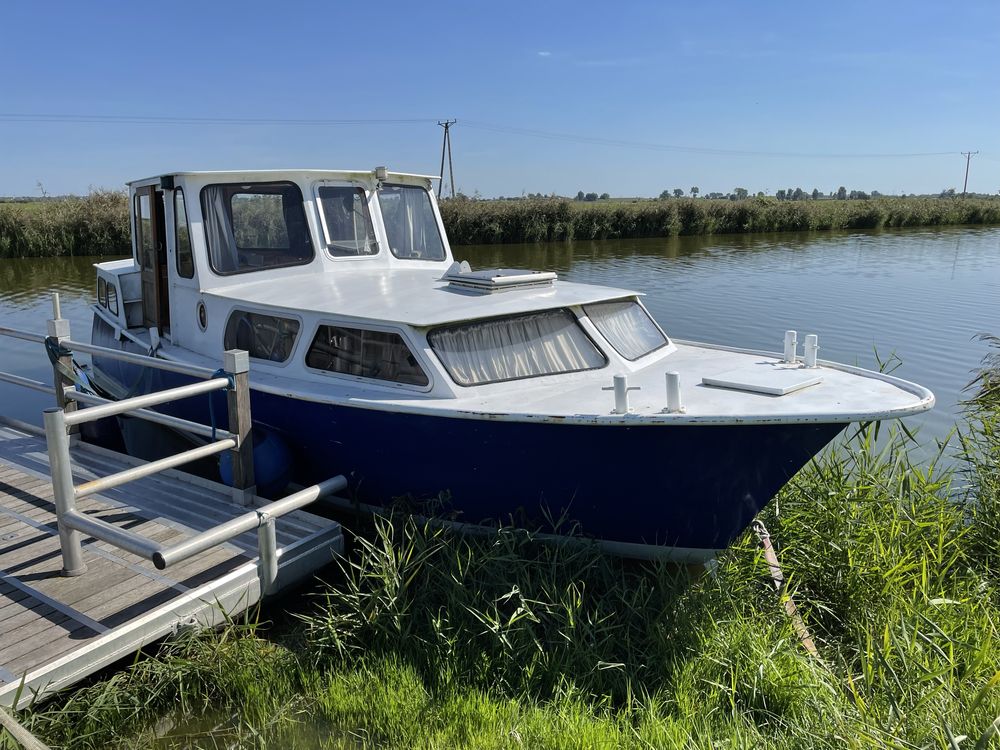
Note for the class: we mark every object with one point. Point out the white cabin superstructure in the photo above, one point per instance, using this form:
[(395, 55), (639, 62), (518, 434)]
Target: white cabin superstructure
[(173, 296)]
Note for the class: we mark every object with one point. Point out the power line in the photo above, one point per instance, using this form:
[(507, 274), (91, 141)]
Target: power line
[(148, 120), (686, 149), (21, 117)]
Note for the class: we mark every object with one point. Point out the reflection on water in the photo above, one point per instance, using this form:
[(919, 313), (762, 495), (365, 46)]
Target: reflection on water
[(26, 285), (922, 295)]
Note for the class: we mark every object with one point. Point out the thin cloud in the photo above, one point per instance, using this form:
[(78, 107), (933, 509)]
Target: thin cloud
[(618, 62), (545, 53)]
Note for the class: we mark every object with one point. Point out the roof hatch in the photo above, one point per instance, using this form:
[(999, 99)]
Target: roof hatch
[(491, 280)]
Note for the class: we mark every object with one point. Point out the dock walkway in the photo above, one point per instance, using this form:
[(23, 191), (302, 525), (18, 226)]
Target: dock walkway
[(55, 630)]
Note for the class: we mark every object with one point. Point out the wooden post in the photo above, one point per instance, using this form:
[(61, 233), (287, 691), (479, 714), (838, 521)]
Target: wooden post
[(237, 366), (58, 329)]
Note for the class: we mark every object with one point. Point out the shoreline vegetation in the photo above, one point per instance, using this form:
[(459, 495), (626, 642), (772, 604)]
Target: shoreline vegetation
[(98, 223), (425, 638)]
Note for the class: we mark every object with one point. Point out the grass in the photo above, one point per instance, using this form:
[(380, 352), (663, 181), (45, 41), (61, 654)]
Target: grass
[(472, 222), (430, 639), (98, 224)]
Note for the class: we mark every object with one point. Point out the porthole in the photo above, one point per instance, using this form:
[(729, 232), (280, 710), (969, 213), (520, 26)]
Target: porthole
[(202, 316)]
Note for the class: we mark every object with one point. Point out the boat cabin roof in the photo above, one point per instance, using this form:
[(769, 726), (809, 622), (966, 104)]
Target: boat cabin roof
[(415, 297), (252, 174)]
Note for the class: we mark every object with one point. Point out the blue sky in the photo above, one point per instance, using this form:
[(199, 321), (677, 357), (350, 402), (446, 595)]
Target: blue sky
[(757, 95)]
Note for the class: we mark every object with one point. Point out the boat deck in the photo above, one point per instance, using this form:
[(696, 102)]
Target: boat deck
[(55, 630)]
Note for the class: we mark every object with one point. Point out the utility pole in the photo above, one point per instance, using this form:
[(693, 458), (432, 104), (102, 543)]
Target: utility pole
[(968, 155), (446, 145)]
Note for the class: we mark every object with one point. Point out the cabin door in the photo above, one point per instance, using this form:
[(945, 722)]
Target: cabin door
[(151, 250)]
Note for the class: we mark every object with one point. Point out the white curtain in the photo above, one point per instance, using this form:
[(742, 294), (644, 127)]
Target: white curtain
[(627, 328), (489, 351), (221, 242)]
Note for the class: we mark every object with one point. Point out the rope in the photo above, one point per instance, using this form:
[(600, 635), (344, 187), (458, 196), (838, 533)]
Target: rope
[(786, 599), (220, 373)]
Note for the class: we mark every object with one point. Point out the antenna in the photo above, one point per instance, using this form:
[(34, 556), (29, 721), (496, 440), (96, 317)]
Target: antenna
[(446, 145)]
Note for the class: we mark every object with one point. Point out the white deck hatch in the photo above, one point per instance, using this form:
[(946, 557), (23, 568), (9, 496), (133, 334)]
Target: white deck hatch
[(492, 280), (766, 377)]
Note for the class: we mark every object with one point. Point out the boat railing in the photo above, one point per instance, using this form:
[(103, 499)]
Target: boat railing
[(62, 420)]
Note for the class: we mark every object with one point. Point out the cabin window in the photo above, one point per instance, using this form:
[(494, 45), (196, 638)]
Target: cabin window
[(266, 337), (627, 327), (380, 355), (143, 228), (523, 346), (410, 223), (256, 226), (347, 223), (112, 298), (182, 237), (102, 292)]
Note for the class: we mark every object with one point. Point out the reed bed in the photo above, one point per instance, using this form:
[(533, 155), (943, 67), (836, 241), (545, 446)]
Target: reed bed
[(477, 222), (95, 224), (98, 224)]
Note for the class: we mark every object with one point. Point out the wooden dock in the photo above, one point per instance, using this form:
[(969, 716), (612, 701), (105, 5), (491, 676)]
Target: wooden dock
[(56, 629)]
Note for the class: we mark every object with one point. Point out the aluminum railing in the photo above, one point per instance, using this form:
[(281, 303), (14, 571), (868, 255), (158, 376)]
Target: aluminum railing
[(62, 420), (234, 379)]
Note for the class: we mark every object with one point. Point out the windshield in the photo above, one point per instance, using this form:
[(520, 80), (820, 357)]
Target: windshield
[(627, 327), (410, 224), (347, 225), (522, 346)]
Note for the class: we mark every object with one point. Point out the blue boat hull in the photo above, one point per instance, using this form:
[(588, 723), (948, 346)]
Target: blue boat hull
[(694, 486)]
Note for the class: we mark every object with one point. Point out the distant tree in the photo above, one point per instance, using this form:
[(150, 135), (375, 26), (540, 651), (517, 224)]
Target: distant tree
[(876, 194), (780, 195), (799, 194), (590, 197), (815, 194), (678, 193), (579, 196), (715, 196), (948, 193), (664, 195), (760, 193), (841, 193), (739, 193), (858, 195), (605, 196), (694, 192)]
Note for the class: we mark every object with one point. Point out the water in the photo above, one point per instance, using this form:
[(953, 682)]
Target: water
[(26, 285), (922, 295)]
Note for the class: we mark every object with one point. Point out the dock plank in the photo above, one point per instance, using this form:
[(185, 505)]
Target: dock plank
[(55, 630)]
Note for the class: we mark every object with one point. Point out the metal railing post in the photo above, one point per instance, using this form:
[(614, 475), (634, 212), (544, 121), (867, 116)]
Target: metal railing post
[(58, 329), (237, 365), (63, 491), (267, 550)]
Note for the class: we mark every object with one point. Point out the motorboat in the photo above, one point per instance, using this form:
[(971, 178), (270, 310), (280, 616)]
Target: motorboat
[(487, 394)]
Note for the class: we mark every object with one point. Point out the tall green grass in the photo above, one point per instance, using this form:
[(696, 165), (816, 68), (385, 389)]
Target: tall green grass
[(473, 222), (96, 224)]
